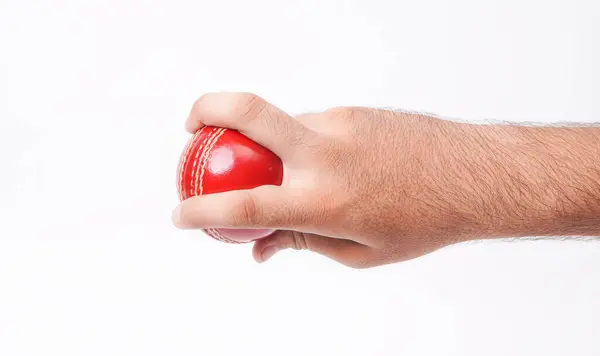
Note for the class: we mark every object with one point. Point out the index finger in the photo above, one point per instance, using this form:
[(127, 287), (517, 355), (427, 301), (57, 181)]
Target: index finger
[(252, 116)]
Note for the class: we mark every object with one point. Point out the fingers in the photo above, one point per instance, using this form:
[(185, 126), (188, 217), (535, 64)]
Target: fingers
[(349, 253), (270, 207), (252, 116)]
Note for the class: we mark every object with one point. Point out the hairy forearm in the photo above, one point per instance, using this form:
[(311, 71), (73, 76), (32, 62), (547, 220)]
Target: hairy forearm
[(533, 181)]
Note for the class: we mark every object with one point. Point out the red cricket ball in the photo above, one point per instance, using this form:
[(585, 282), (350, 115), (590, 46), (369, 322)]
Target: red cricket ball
[(217, 160)]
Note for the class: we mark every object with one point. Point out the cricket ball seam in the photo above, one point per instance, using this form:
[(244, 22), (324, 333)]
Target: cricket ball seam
[(210, 145), (226, 239), (193, 189), (214, 233), (194, 183), (183, 162)]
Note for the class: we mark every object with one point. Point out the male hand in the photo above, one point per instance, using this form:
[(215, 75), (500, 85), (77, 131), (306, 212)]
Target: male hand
[(368, 187)]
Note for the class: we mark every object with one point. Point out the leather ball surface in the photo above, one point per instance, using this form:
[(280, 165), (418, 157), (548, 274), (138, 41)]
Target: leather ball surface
[(217, 160)]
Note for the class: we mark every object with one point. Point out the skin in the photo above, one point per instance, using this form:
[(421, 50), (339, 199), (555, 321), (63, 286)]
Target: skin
[(368, 187)]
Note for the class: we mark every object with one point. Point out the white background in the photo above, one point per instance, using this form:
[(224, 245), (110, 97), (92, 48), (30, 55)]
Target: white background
[(93, 96)]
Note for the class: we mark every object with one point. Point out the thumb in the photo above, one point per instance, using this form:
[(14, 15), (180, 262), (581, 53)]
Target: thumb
[(347, 252), (271, 207)]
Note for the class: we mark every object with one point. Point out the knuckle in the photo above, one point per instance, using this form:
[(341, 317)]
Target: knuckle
[(250, 106), (247, 211), (299, 241)]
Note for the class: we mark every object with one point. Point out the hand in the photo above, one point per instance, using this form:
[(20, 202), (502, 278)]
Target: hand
[(368, 187)]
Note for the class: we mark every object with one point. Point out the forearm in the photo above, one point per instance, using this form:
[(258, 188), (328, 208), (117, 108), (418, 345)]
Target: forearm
[(537, 181)]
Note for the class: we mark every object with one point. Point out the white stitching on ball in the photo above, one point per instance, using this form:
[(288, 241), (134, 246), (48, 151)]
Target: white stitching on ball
[(196, 166), (183, 162), (205, 155)]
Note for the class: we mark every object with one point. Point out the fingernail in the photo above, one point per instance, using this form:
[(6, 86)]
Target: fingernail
[(268, 252), (176, 216)]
